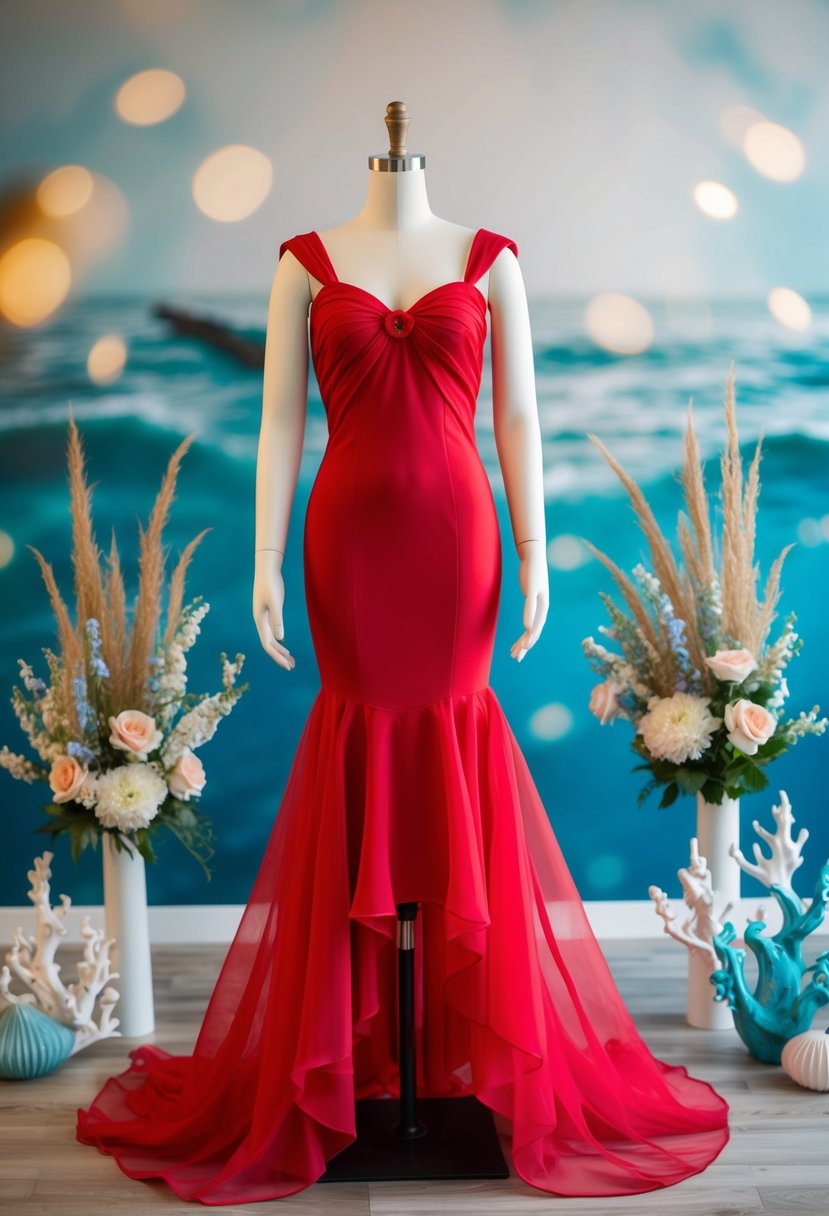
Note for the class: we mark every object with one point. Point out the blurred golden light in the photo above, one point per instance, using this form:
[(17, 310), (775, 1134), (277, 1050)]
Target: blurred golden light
[(567, 552), (716, 200), (65, 190), (774, 151), (105, 361), (35, 276), (92, 233), (149, 97), (6, 548), (809, 531), (789, 308), (619, 323), (735, 121), (551, 721), (232, 182)]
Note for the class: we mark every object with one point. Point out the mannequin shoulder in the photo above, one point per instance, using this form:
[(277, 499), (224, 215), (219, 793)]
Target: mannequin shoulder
[(290, 282), (506, 281)]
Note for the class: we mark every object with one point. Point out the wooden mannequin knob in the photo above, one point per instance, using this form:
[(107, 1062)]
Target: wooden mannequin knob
[(397, 122)]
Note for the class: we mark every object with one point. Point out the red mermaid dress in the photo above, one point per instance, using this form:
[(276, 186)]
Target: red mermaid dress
[(407, 785)]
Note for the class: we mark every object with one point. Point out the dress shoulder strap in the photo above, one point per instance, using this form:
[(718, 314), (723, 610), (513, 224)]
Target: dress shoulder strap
[(309, 250), (484, 250)]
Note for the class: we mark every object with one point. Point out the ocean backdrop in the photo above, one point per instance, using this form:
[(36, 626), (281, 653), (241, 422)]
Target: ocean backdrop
[(636, 404)]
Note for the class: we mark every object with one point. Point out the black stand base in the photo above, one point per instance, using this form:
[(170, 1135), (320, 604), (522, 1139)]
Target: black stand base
[(417, 1138), (459, 1140)]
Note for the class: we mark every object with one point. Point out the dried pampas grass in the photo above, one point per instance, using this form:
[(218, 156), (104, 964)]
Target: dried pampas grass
[(744, 621), (101, 594)]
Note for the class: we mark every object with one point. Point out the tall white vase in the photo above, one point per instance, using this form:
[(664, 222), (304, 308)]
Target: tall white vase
[(718, 826), (126, 919)]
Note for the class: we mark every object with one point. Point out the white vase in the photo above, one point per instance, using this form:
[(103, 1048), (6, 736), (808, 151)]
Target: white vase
[(718, 826), (126, 919)]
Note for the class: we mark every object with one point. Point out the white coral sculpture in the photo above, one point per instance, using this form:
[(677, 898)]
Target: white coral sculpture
[(785, 852), (702, 925), (32, 959)]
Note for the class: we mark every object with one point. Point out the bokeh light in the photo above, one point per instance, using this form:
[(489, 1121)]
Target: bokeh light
[(619, 323), (606, 870), (149, 97), (232, 182), (35, 277), (6, 548), (107, 358), (735, 121), (550, 722), (810, 532), (774, 151), (65, 191), (567, 552), (789, 308), (715, 200)]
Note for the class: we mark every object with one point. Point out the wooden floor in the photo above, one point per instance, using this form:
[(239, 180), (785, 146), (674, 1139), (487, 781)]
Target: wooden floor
[(777, 1160)]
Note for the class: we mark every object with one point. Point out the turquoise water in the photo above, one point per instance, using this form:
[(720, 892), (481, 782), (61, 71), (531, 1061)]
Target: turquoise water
[(635, 404)]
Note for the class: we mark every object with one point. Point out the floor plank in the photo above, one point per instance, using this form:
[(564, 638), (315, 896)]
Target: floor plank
[(777, 1160)]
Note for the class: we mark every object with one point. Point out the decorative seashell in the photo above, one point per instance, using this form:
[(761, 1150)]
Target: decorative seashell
[(806, 1059), (31, 1043)]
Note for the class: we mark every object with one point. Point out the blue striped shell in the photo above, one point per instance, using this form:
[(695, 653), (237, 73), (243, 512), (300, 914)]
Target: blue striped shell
[(31, 1043)]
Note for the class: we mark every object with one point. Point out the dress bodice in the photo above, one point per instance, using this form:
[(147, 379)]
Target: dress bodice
[(363, 349)]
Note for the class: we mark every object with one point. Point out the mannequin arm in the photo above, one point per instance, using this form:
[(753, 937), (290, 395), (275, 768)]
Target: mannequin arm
[(518, 439), (281, 436)]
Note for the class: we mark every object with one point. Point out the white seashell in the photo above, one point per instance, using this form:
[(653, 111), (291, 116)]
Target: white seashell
[(806, 1059)]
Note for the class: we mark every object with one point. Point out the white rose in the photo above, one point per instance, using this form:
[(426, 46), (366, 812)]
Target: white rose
[(604, 701), (749, 725), (134, 731), (732, 665), (187, 776), (66, 777)]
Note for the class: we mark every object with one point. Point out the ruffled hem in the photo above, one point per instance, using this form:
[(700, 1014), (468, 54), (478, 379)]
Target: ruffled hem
[(514, 1001)]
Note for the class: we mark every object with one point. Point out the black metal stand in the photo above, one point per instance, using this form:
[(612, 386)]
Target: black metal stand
[(429, 1138)]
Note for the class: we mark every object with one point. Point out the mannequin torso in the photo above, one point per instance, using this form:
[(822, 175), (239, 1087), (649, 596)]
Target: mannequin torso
[(397, 251)]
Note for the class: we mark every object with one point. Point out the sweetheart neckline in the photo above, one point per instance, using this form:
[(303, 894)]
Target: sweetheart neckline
[(382, 304)]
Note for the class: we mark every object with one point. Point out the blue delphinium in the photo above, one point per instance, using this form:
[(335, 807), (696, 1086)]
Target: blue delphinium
[(96, 660)]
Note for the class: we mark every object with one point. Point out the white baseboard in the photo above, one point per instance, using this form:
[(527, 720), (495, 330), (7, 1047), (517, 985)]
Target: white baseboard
[(205, 923)]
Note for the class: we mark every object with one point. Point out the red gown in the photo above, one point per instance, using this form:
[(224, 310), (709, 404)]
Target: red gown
[(407, 785)]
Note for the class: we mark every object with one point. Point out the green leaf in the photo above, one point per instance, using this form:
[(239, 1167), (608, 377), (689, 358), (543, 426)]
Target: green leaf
[(691, 779), (670, 795), (646, 789), (771, 748), (144, 846), (754, 778)]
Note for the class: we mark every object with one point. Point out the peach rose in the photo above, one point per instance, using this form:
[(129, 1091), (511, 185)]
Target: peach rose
[(749, 725), (604, 701), (186, 777), (66, 777), (732, 665), (134, 731)]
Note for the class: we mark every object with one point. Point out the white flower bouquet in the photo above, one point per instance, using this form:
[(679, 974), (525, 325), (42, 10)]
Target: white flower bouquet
[(115, 729), (696, 675)]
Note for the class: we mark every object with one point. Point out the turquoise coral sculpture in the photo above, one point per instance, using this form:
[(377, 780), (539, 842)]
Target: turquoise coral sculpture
[(779, 1007)]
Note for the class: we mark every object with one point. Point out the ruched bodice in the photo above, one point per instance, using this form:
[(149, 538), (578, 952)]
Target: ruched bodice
[(402, 556)]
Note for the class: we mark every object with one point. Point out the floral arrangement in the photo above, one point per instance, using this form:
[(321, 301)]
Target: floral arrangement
[(114, 727), (696, 675)]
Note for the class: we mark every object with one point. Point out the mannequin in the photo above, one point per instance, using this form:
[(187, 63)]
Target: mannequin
[(397, 249), (410, 824)]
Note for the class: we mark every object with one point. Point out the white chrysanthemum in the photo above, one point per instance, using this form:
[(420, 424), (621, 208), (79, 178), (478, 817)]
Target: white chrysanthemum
[(678, 728), (129, 796)]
